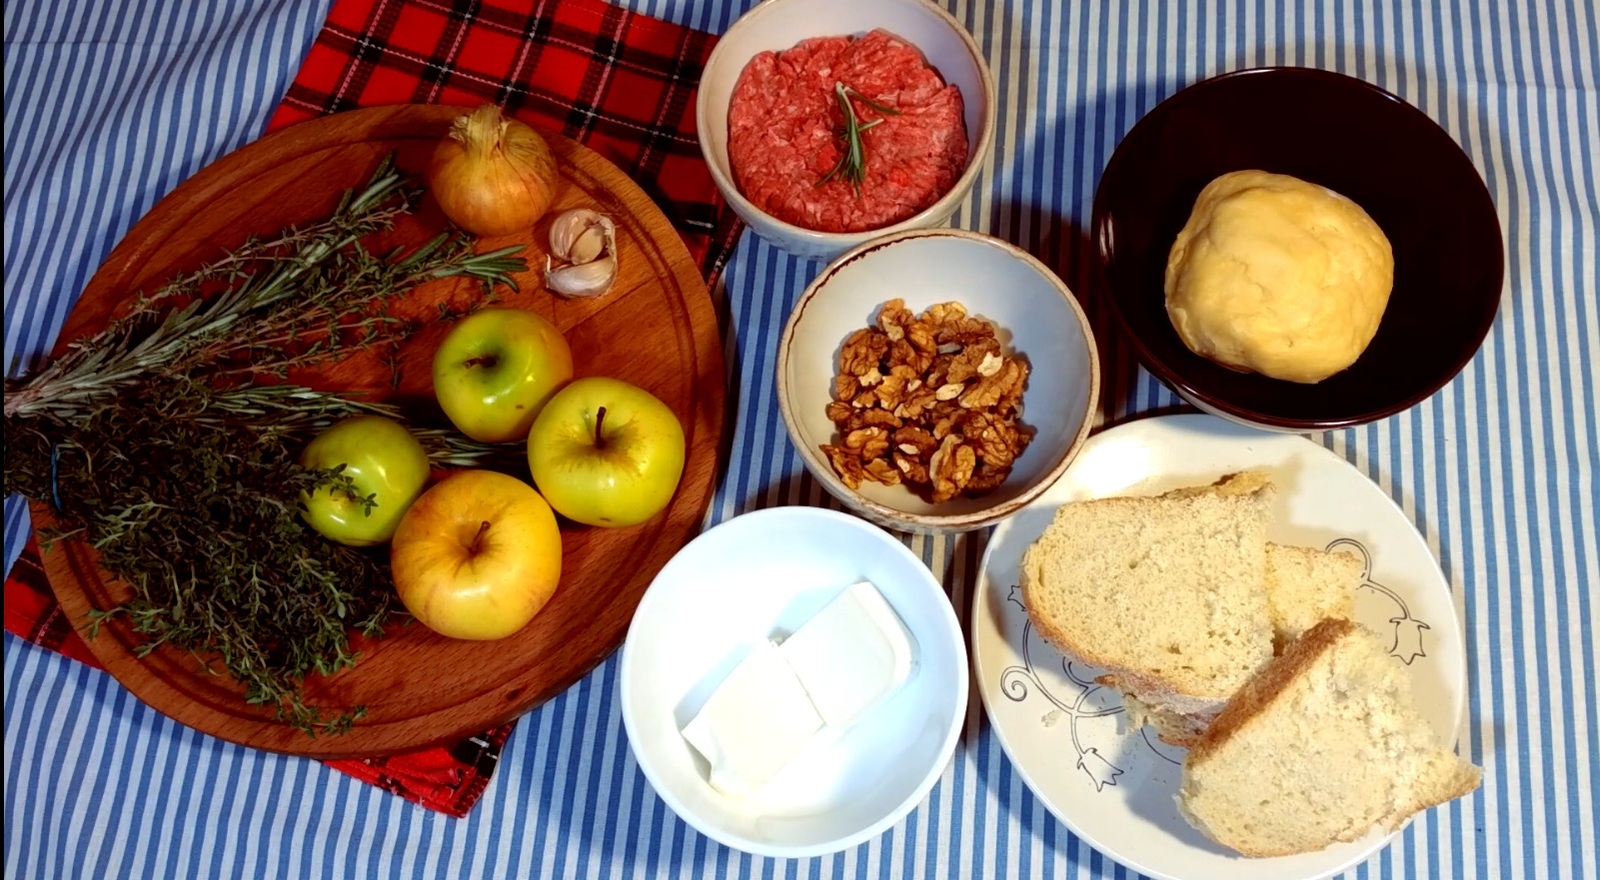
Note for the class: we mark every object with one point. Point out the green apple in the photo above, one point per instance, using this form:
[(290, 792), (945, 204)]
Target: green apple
[(606, 453), (383, 461), (495, 370)]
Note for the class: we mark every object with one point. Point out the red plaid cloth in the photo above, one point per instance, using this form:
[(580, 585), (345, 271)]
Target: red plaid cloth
[(620, 83)]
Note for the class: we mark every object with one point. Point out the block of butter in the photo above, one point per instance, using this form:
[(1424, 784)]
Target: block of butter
[(755, 722), (827, 676), (852, 655)]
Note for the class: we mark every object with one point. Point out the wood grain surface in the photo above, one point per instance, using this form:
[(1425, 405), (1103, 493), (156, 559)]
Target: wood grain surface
[(657, 329)]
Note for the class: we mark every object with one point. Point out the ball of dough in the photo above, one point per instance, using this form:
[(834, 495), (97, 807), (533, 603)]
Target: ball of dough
[(1278, 276)]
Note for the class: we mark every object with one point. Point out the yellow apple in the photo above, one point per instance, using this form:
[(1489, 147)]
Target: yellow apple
[(477, 556), (606, 453)]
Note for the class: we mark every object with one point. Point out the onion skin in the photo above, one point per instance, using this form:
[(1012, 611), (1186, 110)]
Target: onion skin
[(493, 175)]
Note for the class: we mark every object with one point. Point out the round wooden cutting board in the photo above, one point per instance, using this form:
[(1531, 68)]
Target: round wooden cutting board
[(657, 329)]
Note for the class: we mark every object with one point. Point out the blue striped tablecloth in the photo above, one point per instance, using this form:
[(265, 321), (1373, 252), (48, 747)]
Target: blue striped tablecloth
[(110, 104)]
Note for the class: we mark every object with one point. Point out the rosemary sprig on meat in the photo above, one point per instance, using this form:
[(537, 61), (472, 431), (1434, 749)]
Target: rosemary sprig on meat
[(852, 164), (152, 442)]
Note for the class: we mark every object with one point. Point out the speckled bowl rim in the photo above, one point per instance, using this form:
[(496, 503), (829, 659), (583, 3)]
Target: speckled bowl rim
[(918, 522), (944, 207)]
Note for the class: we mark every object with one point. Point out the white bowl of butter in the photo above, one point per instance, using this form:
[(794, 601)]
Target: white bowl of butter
[(794, 682)]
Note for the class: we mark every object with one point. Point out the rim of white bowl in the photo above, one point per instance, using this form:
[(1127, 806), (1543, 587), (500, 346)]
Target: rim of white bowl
[(947, 747), (823, 471), (943, 207)]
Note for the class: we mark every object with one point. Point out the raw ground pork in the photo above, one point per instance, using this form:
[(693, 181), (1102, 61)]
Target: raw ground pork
[(784, 119)]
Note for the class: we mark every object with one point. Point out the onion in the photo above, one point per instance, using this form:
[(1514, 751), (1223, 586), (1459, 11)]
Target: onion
[(493, 175)]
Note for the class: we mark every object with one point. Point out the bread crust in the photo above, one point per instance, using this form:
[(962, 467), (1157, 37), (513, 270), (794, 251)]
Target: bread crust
[(1153, 689), (1260, 693), (1172, 728)]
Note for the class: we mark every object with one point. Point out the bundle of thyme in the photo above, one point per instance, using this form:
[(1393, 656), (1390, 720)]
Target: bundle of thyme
[(170, 443)]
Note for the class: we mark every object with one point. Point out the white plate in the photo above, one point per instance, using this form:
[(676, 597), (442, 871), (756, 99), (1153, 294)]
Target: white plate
[(1065, 734), (759, 576)]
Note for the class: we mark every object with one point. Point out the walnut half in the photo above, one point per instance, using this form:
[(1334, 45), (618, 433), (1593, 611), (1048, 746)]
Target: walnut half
[(931, 401)]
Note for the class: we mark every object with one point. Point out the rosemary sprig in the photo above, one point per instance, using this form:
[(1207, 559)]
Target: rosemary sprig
[(338, 304), (852, 164), (291, 287), (294, 411), (152, 442)]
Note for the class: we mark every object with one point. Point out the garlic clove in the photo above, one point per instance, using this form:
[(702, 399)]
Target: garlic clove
[(586, 241), (588, 246), (581, 279), (581, 236)]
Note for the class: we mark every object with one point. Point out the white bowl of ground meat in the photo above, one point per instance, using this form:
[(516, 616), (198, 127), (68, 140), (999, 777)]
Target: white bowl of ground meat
[(789, 83)]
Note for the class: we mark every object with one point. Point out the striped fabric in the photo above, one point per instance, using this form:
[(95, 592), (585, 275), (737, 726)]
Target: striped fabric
[(108, 105)]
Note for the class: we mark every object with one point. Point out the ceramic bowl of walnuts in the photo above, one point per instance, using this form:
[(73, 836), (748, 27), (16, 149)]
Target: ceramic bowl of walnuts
[(937, 379)]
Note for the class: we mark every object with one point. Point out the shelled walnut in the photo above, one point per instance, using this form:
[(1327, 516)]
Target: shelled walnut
[(931, 401)]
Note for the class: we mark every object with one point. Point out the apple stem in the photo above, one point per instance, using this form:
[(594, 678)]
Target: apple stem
[(599, 421), (477, 539)]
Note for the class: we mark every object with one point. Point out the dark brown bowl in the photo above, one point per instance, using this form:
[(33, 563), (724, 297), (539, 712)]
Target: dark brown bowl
[(1342, 133)]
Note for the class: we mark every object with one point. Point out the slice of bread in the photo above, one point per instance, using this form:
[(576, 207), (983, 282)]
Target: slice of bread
[(1171, 728), (1322, 746), (1306, 586), (1165, 593)]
